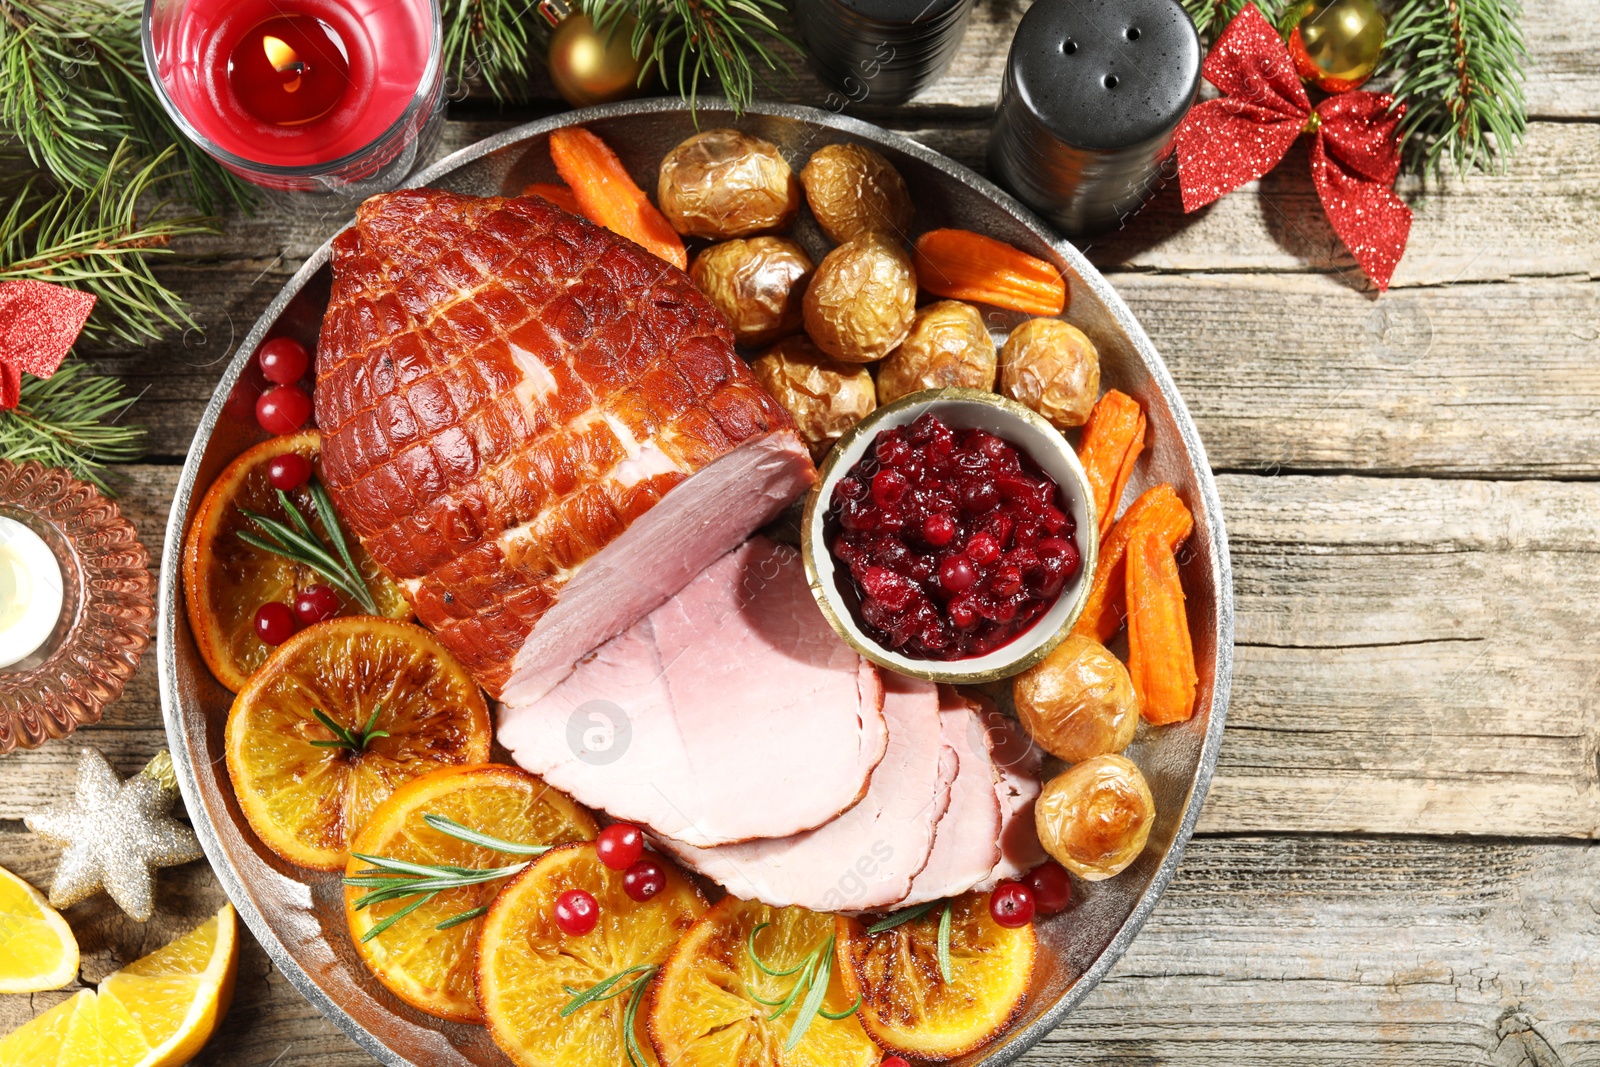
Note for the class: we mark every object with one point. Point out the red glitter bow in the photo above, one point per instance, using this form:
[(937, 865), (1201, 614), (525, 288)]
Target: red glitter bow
[(1355, 157), (38, 323)]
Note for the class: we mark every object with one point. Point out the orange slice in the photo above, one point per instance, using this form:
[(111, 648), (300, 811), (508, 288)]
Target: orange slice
[(429, 968), (905, 1002), (527, 965), (307, 798), (714, 1003), (226, 580)]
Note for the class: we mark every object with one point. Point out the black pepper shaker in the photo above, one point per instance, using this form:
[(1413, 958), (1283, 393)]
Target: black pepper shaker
[(1094, 91), (880, 51)]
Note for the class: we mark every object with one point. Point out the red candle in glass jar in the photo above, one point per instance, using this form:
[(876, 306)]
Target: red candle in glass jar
[(295, 86)]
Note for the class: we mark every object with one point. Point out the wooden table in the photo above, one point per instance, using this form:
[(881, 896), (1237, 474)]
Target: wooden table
[(1396, 863)]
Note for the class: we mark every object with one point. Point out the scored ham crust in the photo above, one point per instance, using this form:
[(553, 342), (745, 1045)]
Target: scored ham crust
[(504, 392)]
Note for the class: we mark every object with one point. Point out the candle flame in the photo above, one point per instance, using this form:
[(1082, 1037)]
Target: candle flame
[(283, 59)]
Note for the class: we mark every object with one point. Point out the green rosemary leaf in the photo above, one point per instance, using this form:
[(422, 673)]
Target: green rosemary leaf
[(944, 943), (818, 989), (330, 523), (464, 917), (464, 833), (754, 958), (396, 917), (605, 989), (900, 918)]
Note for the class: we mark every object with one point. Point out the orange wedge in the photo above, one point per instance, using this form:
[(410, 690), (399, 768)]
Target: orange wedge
[(528, 969), (713, 1000), (905, 1002), (226, 580), (403, 707), (37, 949), (429, 968)]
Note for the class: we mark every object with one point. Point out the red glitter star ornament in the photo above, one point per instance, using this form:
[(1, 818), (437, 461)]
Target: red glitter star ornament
[(1355, 156), (38, 323)]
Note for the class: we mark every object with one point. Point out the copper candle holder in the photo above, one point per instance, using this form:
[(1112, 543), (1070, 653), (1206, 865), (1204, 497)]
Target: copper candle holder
[(106, 610)]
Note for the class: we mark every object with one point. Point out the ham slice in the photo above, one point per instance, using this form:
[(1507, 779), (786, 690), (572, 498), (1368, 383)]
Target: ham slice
[(1018, 762), (507, 396), (731, 712), (866, 858), (966, 841)]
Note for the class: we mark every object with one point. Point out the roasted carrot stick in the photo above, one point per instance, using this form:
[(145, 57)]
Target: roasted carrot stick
[(963, 265), (1158, 510), (609, 196), (1160, 653), (1112, 440), (559, 195)]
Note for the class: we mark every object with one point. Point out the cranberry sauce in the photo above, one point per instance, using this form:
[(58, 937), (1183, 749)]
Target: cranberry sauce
[(955, 541)]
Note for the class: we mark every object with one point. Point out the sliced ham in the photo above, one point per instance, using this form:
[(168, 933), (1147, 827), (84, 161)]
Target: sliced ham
[(730, 712), (866, 858), (966, 841), (1018, 761), (508, 397)]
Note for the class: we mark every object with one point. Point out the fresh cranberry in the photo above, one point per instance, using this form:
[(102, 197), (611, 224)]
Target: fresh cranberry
[(1011, 904), (283, 409), (283, 360), (620, 845), (956, 574), (577, 912), (1050, 886), (889, 487), (289, 471), (894, 1061), (315, 603), (274, 623), (939, 529), (643, 880)]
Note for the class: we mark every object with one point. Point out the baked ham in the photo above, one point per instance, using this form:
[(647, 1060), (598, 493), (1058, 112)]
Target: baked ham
[(866, 858), (538, 428), (1017, 761), (734, 712)]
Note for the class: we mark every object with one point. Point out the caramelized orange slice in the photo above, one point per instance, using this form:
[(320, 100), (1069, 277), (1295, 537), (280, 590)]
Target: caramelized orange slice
[(717, 1000), (530, 972), (430, 968), (401, 705), (226, 580), (905, 1002)]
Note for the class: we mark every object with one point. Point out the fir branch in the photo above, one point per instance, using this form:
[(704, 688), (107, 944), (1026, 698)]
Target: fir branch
[(489, 39), (687, 41), (71, 420), (73, 87), (1210, 16), (94, 239), (1459, 71)]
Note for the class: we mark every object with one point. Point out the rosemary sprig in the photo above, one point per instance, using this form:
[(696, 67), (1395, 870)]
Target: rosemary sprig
[(300, 544), (392, 879), (631, 982), (344, 737), (812, 975), (905, 915)]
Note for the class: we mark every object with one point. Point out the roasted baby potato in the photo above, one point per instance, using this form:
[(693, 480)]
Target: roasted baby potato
[(852, 189), (1050, 366), (862, 299), (758, 283), (948, 346), (723, 183), (823, 396), (1078, 702), (1095, 818)]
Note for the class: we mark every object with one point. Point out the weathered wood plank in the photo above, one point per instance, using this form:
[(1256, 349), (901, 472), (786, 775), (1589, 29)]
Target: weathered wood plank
[(1414, 656), (1263, 951)]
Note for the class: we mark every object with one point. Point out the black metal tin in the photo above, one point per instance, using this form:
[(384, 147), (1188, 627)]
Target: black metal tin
[(1094, 91), (880, 51)]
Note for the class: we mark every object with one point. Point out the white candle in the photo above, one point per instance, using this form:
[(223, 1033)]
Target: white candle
[(30, 592)]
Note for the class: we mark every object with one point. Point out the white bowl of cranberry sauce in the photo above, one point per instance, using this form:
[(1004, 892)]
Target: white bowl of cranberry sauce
[(951, 536)]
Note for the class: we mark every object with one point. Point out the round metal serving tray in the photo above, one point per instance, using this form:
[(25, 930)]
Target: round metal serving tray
[(298, 916)]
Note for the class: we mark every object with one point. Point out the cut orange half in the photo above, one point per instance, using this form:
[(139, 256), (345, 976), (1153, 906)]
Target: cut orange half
[(529, 971), (307, 790), (905, 1002), (225, 580), (716, 1006), (429, 968)]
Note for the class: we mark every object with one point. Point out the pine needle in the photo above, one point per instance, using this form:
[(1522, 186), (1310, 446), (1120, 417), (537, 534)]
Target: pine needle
[(94, 239), (1210, 16), (489, 39), (1459, 67), (71, 420)]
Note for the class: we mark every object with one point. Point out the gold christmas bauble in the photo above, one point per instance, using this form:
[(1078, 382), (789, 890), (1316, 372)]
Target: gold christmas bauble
[(1335, 43), (590, 66)]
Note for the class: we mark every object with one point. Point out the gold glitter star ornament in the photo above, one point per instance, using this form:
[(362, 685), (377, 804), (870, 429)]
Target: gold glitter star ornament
[(115, 834)]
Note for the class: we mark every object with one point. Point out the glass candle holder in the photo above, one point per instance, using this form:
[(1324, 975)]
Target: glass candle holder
[(337, 96)]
